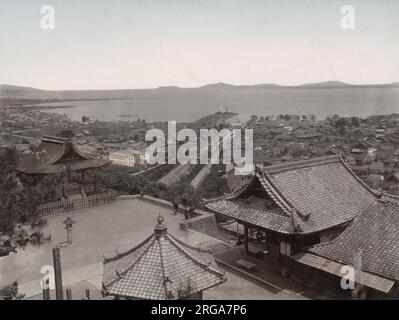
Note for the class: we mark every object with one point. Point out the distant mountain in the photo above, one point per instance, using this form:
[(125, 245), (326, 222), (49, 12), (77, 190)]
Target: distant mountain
[(340, 84), (326, 84), (13, 91), (219, 85)]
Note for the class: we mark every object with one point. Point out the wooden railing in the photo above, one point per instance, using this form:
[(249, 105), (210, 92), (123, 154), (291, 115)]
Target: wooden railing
[(66, 205)]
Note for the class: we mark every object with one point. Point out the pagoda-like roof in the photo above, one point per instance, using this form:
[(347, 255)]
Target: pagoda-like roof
[(159, 268), (308, 196), (54, 155)]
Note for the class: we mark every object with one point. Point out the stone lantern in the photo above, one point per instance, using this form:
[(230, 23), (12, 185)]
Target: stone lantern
[(68, 227)]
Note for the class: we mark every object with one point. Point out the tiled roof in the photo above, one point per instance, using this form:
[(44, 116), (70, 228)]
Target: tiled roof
[(157, 269), (239, 210), (53, 155), (313, 195), (374, 236)]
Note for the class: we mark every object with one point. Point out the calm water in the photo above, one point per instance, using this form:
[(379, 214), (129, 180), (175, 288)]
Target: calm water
[(191, 104)]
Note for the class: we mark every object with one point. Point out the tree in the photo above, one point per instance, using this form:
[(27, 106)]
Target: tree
[(19, 198), (340, 124), (11, 195), (85, 119), (355, 122)]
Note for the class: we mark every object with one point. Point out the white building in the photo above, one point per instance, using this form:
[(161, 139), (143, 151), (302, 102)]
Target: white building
[(128, 157)]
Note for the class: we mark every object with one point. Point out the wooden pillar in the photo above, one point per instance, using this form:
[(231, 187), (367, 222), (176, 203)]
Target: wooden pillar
[(59, 292), (46, 293), (246, 239), (83, 177), (64, 193), (69, 294), (95, 181)]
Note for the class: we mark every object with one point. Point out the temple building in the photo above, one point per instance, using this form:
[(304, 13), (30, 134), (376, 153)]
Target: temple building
[(160, 268), (296, 205), (55, 155), (316, 213)]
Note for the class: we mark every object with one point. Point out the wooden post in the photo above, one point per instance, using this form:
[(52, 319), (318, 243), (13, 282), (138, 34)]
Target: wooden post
[(95, 182), (46, 293), (58, 274), (246, 239), (88, 294), (64, 194), (69, 294), (83, 177)]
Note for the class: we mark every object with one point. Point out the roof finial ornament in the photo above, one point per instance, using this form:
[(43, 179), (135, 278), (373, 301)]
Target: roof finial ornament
[(295, 224), (160, 219), (160, 229)]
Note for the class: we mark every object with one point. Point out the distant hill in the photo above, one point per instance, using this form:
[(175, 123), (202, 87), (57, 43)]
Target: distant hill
[(13, 91), (340, 84), (10, 90), (326, 84), (168, 87), (267, 85), (222, 85), (219, 85)]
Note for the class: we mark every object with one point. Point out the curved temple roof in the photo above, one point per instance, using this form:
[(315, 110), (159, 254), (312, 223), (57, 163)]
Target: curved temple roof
[(54, 155), (158, 268), (310, 196)]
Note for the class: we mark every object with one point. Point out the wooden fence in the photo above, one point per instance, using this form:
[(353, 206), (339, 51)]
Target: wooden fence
[(77, 203)]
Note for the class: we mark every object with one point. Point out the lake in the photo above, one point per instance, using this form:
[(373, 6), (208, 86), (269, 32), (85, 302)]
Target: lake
[(191, 104)]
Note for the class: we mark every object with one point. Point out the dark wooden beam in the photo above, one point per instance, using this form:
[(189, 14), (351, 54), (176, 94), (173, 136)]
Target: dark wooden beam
[(246, 239), (59, 291)]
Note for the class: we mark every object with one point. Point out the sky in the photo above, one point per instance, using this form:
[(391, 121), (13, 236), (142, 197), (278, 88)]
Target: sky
[(104, 44)]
